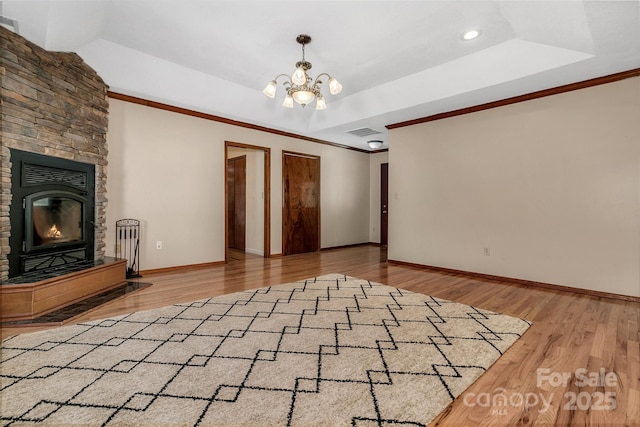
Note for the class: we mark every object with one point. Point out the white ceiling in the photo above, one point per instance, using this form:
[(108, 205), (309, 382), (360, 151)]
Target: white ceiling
[(397, 60)]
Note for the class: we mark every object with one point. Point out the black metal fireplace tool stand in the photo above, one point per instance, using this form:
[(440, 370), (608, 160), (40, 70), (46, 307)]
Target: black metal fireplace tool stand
[(128, 245)]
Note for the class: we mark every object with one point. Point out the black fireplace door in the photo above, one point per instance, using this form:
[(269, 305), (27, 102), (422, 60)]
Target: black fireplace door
[(54, 219)]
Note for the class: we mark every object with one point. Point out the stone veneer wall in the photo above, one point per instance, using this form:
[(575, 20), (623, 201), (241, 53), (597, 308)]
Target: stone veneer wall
[(54, 104)]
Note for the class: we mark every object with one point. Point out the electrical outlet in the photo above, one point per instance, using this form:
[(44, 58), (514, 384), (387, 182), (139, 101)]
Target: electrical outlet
[(487, 252), (159, 244)]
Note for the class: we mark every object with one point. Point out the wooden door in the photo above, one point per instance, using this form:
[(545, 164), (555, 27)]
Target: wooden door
[(384, 204), (236, 202), (301, 203)]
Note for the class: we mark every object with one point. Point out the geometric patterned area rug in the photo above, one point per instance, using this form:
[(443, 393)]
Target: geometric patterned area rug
[(332, 350)]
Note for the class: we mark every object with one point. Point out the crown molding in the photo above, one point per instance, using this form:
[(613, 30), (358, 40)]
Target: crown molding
[(206, 116), (521, 98)]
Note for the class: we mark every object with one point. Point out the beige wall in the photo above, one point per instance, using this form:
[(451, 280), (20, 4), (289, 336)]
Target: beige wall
[(167, 170), (551, 187)]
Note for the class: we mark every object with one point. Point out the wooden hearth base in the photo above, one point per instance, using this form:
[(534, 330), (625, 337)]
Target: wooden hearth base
[(25, 301)]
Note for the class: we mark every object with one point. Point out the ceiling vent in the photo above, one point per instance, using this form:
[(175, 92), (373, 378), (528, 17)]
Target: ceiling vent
[(363, 132), (9, 24)]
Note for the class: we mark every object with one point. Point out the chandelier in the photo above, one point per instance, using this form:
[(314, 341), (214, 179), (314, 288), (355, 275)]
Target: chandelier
[(299, 85)]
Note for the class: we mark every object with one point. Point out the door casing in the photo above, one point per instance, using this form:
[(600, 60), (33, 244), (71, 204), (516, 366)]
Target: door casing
[(267, 194)]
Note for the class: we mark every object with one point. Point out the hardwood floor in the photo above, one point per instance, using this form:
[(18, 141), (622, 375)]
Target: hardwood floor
[(237, 255), (581, 350)]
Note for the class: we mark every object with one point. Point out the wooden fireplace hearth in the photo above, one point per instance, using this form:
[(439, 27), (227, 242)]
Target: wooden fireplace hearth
[(31, 296)]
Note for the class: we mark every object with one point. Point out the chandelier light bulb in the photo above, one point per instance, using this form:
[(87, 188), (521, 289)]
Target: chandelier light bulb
[(299, 77), (288, 102), (334, 86), (320, 103), (270, 90), (303, 97)]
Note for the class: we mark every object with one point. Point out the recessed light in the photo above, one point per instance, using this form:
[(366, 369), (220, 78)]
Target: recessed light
[(470, 35)]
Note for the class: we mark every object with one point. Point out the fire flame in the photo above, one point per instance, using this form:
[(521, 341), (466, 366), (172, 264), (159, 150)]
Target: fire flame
[(54, 232)]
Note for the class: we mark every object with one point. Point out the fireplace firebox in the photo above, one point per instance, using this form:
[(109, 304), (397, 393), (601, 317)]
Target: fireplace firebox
[(53, 219), (52, 212)]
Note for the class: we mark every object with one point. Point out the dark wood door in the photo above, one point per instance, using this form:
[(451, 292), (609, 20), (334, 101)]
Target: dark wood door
[(384, 204), (301, 203), (236, 202)]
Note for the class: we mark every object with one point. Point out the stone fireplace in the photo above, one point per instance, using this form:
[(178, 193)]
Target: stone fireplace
[(53, 158)]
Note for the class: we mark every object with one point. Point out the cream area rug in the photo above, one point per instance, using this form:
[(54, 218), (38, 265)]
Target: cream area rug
[(328, 351)]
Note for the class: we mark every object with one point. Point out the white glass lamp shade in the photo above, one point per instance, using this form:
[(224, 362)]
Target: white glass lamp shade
[(334, 86), (303, 97), (375, 144), (270, 90), (320, 103), (288, 102), (299, 77)]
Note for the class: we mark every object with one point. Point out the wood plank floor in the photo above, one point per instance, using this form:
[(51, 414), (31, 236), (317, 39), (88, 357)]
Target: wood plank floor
[(573, 335)]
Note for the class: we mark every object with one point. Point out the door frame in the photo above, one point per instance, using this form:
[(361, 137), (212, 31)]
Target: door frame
[(266, 200), (313, 156)]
